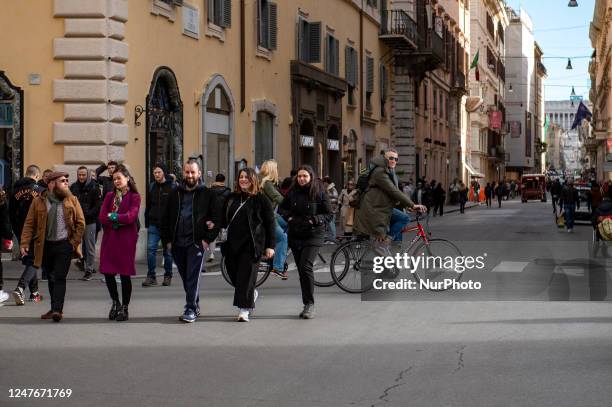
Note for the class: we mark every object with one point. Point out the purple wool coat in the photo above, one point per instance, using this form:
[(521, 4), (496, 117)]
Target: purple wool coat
[(118, 250)]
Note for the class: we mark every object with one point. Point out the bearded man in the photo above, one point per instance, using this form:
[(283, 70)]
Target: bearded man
[(55, 223)]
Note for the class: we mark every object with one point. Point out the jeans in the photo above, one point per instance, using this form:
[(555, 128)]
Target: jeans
[(189, 261), (280, 251), (331, 229), (569, 210), (399, 219), (89, 246), (153, 238)]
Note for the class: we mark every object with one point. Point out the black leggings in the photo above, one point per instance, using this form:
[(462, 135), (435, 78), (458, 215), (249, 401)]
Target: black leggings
[(126, 287)]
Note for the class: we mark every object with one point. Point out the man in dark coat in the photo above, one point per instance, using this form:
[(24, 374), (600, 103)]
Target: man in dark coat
[(222, 193), (188, 227), (569, 201), (87, 192), (106, 181), (24, 191), (156, 206)]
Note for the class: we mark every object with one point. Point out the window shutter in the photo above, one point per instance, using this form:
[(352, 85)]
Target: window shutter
[(273, 25), (383, 82), (226, 14), (260, 26), (328, 53), (301, 44), (348, 65), (211, 10), (355, 63), (336, 57), (370, 75), (314, 43)]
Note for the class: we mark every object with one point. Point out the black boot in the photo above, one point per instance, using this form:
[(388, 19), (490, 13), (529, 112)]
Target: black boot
[(122, 315), (112, 315)]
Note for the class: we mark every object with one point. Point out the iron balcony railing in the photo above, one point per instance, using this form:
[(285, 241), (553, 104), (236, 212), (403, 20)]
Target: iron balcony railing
[(398, 22)]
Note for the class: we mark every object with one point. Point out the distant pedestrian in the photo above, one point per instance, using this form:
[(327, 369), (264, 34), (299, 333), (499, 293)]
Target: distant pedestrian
[(190, 224), (155, 209), (106, 182), (439, 199), (250, 223), (55, 223), (569, 201), (269, 186), (463, 197), (488, 194), (500, 192), (347, 212), (25, 191), (332, 194), (87, 192), (6, 234)]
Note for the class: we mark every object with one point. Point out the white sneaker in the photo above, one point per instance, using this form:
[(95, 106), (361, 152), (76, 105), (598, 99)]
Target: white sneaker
[(243, 315), (4, 296)]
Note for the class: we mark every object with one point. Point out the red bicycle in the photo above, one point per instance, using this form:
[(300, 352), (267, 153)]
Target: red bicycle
[(357, 263)]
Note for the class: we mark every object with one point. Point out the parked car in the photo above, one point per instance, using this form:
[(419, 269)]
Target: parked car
[(533, 186)]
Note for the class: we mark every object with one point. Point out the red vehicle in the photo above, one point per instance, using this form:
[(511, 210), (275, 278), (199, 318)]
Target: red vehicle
[(533, 186)]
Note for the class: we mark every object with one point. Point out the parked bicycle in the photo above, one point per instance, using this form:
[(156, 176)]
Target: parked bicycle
[(352, 263)]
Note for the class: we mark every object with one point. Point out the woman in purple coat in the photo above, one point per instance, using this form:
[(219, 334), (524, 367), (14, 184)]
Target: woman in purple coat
[(119, 219)]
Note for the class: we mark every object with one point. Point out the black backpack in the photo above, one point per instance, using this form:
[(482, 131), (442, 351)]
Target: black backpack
[(362, 186)]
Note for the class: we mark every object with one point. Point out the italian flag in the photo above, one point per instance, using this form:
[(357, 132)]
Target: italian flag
[(475, 65)]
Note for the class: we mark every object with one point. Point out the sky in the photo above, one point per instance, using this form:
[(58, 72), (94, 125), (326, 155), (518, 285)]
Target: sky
[(562, 31)]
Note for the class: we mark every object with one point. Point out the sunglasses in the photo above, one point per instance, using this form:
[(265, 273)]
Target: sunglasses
[(393, 158), (62, 180)]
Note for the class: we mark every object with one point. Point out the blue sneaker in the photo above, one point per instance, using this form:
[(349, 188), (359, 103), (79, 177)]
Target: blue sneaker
[(189, 316)]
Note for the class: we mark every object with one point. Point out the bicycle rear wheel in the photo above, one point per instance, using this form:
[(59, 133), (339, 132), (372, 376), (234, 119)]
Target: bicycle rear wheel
[(351, 266), (262, 275), (432, 271)]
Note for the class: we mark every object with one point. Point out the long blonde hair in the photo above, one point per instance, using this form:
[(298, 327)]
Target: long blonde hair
[(269, 172)]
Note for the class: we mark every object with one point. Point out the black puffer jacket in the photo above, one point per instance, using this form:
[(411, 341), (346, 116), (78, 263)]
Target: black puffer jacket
[(204, 209), (5, 224), (24, 191), (157, 201), (88, 194), (306, 217), (261, 219)]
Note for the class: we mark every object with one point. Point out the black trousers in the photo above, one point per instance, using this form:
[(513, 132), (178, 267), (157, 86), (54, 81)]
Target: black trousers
[(462, 207), (304, 257), (242, 270), (499, 200), (56, 261), (189, 261)]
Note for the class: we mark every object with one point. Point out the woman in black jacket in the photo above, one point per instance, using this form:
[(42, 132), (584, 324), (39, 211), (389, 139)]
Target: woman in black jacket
[(6, 234), (307, 210), (249, 219)]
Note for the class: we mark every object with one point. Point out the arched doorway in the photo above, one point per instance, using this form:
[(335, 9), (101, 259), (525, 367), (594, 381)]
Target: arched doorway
[(334, 167), (217, 129), (11, 132), (164, 123), (306, 137)]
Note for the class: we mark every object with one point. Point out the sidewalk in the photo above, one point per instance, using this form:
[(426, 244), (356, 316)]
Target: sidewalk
[(455, 208)]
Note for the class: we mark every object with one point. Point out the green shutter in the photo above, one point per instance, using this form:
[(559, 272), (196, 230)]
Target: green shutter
[(314, 43), (369, 75), (226, 14), (273, 25)]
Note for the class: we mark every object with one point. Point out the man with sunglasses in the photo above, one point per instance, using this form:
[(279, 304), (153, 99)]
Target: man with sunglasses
[(55, 223), (377, 215)]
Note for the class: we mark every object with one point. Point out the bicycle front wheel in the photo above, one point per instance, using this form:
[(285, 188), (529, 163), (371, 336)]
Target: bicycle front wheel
[(435, 269), (322, 269), (262, 274)]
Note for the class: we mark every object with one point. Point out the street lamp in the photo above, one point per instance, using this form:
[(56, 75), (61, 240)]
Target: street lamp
[(569, 64), (573, 3)]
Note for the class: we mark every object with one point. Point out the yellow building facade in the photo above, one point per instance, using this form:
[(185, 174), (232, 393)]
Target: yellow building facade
[(232, 82)]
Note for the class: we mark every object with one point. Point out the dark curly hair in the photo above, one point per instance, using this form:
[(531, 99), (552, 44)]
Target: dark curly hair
[(122, 169)]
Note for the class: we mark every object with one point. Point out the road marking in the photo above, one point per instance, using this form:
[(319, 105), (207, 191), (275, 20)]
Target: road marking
[(510, 267)]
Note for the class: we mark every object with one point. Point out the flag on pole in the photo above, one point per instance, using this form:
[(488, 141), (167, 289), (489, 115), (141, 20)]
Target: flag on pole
[(582, 113), (475, 65)]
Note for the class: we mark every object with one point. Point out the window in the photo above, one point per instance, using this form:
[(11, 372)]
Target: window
[(264, 132), (446, 108), (369, 82), (383, 90), (309, 41), (351, 74), (372, 3), (267, 26), (425, 97), (332, 57), (173, 2), (435, 102), (441, 100), (220, 12)]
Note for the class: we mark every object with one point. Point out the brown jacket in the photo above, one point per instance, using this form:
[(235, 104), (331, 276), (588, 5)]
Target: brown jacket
[(36, 225)]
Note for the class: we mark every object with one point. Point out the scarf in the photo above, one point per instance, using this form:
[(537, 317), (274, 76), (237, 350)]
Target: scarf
[(51, 232)]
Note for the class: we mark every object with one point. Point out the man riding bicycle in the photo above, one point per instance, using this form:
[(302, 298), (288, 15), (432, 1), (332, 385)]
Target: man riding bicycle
[(377, 216)]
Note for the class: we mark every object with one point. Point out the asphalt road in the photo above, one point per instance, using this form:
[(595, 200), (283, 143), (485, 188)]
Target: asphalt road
[(398, 352)]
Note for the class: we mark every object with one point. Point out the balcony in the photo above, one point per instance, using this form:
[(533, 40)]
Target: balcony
[(398, 30), (459, 85)]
